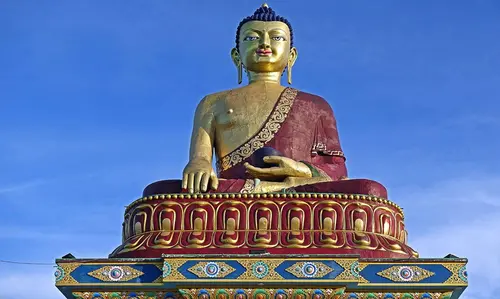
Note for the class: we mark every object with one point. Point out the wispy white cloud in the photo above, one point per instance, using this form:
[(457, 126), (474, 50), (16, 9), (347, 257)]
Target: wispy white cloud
[(462, 217), (29, 283), (479, 242), (461, 191)]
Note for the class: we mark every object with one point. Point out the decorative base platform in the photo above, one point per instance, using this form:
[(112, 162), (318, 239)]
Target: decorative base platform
[(279, 223), (262, 276)]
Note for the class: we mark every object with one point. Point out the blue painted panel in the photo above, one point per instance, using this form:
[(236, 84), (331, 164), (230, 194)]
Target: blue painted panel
[(151, 273), (238, 269), (441, 274), (337, 269)]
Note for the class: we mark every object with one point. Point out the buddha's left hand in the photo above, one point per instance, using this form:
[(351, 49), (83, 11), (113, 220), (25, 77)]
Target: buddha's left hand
[(285, 168)]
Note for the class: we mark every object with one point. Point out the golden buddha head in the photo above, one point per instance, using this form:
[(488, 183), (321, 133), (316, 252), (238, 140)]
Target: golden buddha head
[(264, 43)]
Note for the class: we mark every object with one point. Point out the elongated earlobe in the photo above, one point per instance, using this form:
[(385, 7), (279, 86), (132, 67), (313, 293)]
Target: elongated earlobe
[(289, 73), (240, 72)]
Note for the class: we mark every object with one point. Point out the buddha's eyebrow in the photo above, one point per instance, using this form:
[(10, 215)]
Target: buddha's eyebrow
[(277, 30), (250, 30), (274, 30)]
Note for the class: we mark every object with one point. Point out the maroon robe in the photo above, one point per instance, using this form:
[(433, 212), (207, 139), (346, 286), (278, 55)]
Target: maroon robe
[(302, 127)]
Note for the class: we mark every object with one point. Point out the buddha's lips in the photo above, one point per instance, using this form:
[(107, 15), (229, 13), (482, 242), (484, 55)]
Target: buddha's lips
[(264, 52)]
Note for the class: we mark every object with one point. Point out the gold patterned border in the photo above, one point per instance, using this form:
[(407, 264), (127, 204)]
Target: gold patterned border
[(453, 267), (309, 269), (265, 270), (303, 195), (65, 270), (211, 269), (405, 273), (248, 187), (455, 274), (261, 269), (351, 272), (119, 294), (266, 133), (338, 293), (116, 273)]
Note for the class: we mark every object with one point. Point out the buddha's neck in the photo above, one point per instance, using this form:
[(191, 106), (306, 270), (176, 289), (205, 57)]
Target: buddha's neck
[(268, 77)]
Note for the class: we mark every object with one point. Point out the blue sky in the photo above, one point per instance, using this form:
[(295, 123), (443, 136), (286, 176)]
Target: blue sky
[(97, 100)]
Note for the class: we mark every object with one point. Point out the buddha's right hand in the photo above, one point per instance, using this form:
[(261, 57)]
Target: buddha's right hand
[(197, 175)]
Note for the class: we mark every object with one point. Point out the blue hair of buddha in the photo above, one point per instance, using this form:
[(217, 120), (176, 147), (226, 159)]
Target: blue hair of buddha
[(265, 14)]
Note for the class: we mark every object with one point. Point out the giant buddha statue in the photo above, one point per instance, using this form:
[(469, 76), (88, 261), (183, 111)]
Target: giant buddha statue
[(280, 182), (266, 137)]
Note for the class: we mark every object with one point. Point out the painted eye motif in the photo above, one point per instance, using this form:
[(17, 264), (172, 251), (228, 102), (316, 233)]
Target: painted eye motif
[(250, 38), (279, 38)]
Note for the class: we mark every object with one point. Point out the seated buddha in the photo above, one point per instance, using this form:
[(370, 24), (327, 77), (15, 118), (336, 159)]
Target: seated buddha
[(273, 141), (266, 137)]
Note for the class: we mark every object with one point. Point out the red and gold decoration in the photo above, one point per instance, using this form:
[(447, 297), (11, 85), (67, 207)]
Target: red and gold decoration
[(253, 276), (286, 223)]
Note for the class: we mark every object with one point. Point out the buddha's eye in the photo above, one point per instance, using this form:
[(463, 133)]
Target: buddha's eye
[(279, 38), (251, 38)]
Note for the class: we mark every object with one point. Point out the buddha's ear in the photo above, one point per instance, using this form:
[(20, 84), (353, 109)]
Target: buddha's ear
[(293, 56), (235, 56)]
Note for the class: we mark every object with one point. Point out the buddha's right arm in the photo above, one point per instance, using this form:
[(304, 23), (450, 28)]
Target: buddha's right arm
[(199, 172)]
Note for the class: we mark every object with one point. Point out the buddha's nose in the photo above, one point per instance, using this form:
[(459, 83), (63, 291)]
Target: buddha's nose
[(264, 46), (265, 42)]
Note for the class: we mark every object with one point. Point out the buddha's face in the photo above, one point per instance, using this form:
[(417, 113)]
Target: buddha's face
[(264, 47)]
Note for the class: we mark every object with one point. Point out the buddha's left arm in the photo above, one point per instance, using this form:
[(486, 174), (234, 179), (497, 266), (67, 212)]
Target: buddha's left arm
[(327, 162), (327, 158)]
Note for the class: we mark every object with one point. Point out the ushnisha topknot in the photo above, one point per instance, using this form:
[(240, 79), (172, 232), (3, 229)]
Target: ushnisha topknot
[(265, 14)]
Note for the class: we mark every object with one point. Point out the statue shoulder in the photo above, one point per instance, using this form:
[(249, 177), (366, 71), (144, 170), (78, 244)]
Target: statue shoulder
[(317, 101), (209, 101)]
